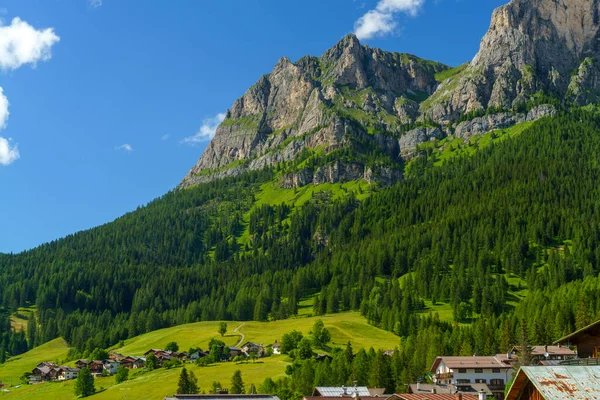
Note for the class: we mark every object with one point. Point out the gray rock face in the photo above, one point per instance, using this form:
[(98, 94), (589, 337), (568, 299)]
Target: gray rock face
[(338, 172), (488, 123), (406, 109), (409, 142), (532, 45), (584, 87), (293, 107)]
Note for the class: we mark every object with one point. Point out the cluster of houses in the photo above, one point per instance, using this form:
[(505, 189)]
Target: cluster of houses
[(557, 372), (49, 371), (570, 368)]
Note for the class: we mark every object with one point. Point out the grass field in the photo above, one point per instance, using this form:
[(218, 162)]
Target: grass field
[(344, 328), (11, 370), (155, 385), (19, 320)]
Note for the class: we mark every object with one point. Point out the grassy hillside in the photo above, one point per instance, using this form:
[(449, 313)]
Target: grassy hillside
[(10, 371), (345, 327)]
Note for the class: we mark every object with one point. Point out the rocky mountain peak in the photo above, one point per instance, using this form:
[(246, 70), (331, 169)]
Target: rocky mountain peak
[(350, 94), (532, 47)]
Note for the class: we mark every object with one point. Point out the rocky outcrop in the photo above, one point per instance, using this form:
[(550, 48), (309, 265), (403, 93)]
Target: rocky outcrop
[(406, 109), (318, 102), (339, 172), (410, 141), (531, 46), (584, 87), (488, 123)]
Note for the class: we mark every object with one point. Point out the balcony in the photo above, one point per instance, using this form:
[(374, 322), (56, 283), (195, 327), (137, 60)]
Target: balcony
[(444, 376)]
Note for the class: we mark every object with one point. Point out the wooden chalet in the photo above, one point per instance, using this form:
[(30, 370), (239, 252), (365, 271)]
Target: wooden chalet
[(587, 341), (40, 374), (96, 367), (67, 373), (437, 396), (127, 362), (81, 363), (254, 348), (139, 362), (556, 382)]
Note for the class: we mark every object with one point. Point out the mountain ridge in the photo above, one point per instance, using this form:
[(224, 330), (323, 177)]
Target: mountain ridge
[(355, 97), (312, 104)]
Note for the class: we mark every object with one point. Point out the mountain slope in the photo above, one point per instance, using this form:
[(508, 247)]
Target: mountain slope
[(470, 216), (351, 93)]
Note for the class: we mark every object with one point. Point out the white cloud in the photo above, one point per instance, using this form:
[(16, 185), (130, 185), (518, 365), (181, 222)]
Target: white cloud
[(381, 20), (165, 137), (3, 109), (8, 153), (20, 44), (206, 131), (126, 147), (95, 3)]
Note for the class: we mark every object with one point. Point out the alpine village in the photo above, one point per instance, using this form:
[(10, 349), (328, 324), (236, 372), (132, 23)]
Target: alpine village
[(364, 224)]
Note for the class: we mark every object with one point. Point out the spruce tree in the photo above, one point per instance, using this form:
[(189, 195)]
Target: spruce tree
[(237, 383)]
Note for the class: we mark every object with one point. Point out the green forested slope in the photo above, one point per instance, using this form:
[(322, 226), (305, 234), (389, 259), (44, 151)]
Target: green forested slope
[(527, 206)]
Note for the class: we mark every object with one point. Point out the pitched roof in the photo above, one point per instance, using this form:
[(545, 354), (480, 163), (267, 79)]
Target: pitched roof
[(551, 350), (426, 388), (595, 327), (559, 382), (222, 397), (378, 397), (431, 396), (469, 362), (337, 391)]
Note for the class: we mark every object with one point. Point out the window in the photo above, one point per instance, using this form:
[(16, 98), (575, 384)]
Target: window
[(461, 381), (496, 370), (480, 381), (478, 370), (496, 382), (462, 370)]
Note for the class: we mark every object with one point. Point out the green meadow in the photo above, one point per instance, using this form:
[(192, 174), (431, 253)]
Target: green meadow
[(344, 328)]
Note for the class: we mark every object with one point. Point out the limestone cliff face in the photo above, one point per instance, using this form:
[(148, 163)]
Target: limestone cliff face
[(351, 93), (532, 46)]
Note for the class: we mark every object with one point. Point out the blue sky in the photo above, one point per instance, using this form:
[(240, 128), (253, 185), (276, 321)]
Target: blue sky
[(102, 94)]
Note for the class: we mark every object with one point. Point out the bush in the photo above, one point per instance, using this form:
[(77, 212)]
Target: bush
[(122, 375), (172, 363), (172, 346)]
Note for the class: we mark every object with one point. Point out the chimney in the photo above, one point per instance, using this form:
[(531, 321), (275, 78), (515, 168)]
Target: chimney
[(418, 386), (482, 395), (344, 391), (433, 391), (459, 396), (509, 355)]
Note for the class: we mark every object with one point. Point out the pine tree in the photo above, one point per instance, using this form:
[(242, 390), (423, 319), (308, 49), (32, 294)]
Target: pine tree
[(525, 357), (188, 383), (84, 384), (237, 383)]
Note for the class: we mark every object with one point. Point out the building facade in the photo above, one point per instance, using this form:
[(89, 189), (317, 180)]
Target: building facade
[(465, 371)]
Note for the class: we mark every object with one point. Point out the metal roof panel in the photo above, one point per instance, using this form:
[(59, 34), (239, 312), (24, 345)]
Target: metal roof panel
[(566, 382)]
